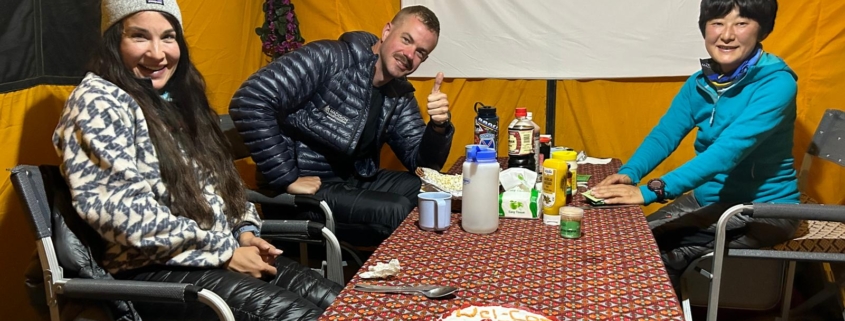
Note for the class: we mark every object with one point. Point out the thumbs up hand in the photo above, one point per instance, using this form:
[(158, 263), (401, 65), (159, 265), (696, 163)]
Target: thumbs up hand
[(438, 103)]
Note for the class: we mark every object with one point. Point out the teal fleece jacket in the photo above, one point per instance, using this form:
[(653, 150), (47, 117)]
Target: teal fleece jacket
[(744, 141)]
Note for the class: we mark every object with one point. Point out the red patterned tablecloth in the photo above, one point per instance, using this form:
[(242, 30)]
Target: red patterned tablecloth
[(613, 272)]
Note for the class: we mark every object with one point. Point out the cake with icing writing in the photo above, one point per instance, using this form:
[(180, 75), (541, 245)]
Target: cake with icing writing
[(494, 313)]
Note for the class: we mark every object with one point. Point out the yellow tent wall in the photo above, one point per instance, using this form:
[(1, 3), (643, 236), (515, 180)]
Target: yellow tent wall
[(607, 118)]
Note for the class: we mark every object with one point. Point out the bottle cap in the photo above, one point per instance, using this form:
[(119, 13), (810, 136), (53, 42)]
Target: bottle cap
[(470, 147), (486, 155), (545, 138), (486, 111), (476, 152), (571, 213), (521, 112), (566, 155)]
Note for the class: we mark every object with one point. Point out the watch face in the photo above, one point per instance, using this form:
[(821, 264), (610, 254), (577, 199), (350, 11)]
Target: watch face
[(655, 184)]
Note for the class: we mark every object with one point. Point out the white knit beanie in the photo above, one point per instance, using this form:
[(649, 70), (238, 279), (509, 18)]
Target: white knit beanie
[(114, 10)]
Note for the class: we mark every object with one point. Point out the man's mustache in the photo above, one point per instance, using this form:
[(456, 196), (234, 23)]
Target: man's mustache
[(404, 60)]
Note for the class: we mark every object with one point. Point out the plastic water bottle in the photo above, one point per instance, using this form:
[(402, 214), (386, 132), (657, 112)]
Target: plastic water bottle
[(486, 126), (480, 196)]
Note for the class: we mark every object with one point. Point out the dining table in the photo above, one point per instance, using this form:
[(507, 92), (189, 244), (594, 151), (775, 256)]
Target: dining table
[(612, 272)]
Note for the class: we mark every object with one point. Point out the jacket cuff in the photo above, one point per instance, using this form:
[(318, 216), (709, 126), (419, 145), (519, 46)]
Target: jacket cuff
[(648, 195), (449, 128), (630, 173), (246, 227), (434, 147)]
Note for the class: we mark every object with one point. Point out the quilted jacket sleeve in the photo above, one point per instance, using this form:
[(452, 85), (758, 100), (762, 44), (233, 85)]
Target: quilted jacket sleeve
[(408, 135), (273, 93), (100, 144)]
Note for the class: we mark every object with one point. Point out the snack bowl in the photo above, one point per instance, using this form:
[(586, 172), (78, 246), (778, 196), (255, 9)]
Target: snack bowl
[(434, 181)]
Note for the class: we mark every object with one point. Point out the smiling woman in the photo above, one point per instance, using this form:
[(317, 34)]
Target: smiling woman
[(733, 32), (150, 53), (743, 146), (139, 143), (730, 40)]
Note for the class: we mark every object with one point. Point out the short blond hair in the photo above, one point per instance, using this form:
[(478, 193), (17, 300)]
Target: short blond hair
[(426, 16)]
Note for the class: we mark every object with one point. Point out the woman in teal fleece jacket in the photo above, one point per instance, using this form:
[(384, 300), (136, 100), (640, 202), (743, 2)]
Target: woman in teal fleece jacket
[(743, 104)]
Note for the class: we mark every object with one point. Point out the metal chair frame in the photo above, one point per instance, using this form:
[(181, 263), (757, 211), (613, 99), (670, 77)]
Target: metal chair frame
[(828, 144)]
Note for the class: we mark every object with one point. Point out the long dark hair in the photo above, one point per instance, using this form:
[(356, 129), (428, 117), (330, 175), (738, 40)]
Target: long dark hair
[(184, 126)]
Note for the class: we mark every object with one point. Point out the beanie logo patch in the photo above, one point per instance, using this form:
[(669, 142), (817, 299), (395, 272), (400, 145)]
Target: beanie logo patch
[(161, 2)]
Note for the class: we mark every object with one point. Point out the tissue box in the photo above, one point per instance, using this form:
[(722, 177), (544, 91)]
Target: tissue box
[(519, 204)]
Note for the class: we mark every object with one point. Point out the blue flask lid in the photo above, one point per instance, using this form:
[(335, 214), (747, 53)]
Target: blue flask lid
[(476, 153)]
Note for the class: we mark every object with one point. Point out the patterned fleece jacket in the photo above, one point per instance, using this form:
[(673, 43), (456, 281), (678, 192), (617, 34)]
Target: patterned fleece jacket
[(112, 169)]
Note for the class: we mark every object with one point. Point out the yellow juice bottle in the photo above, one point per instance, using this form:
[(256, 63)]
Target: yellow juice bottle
[(554, 189)]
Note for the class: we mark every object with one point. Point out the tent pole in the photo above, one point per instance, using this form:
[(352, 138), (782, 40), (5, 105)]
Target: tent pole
[(551, 94)]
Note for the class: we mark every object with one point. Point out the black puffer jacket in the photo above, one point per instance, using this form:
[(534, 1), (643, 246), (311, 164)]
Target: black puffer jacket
[(303, 114)]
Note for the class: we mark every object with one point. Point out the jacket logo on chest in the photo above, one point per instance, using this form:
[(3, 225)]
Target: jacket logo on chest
[(334, 115)]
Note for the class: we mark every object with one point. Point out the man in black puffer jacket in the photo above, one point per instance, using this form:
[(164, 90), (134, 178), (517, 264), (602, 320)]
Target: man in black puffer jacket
[(315, 120)]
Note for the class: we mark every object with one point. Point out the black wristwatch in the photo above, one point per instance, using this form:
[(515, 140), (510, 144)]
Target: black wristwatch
[(658, 186)]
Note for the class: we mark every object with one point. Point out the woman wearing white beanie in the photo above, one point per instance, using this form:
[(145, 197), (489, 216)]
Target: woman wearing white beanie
[(148, 169)]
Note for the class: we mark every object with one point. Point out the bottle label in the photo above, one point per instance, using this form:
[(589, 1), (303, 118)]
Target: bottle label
[(570, 229), (554, 187), (520, 142), (486, 132), (487, 139), (550, 188)]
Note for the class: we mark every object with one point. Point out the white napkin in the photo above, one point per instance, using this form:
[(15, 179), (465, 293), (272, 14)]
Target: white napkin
[(382, 270), (518, 179), (584, 159)]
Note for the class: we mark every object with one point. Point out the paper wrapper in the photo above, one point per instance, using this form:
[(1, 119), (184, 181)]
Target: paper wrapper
[(518, 179), (382, 270)]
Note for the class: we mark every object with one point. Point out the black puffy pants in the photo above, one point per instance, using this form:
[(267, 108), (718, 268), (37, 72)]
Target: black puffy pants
[(366, 210), (685, 231), (295, 293)]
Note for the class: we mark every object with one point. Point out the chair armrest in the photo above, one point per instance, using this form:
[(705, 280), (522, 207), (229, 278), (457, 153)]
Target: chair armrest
[(281, 199), (818, 212), (101, 289), (311, 202), (307, 201), (129, 290), (284, 199), (292, 228)]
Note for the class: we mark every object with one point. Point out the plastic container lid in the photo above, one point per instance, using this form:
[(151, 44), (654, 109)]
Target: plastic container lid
[(571, 212), (545, 138), (521, 112), (486, 155), (472, 146), (477, 153), (484, 110), (566, 155), (487, 111)]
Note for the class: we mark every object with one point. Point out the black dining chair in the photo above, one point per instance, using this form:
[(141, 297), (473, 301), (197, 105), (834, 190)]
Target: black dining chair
[(68, 249)]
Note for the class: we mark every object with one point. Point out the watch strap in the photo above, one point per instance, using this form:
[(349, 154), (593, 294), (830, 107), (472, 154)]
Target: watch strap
[(246, 227)]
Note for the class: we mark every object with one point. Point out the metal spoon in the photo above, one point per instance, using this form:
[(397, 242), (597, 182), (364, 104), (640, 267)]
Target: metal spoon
[(429, 291)]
